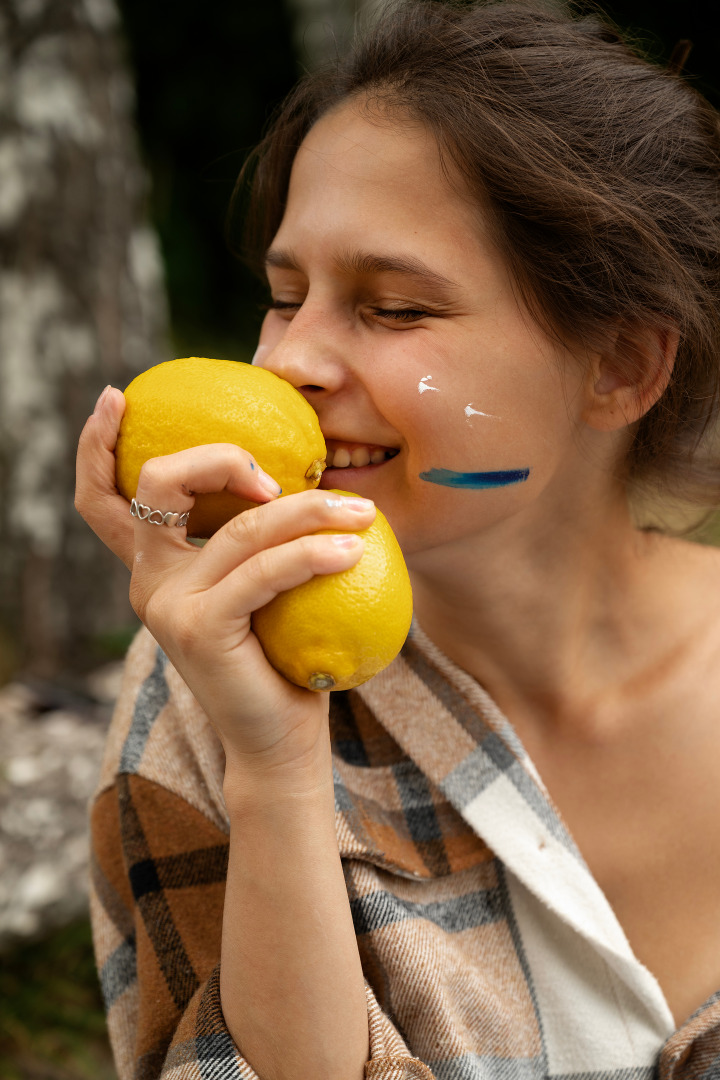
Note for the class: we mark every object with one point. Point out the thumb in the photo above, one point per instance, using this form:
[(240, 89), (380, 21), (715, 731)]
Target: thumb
[(96, 496)]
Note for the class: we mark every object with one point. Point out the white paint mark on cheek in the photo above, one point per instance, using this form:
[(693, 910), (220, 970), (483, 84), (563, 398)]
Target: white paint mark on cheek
[(260, 354), (422, 385), (469, 411)]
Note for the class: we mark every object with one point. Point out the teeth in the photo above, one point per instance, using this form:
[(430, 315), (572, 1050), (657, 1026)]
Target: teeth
[(359, 457), (341, 459)]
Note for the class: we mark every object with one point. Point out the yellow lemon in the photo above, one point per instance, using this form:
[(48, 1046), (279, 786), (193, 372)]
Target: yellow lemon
[(193, 401), (338, 630)]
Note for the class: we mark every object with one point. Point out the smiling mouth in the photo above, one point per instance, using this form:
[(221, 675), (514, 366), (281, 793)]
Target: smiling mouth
[(357, 455)]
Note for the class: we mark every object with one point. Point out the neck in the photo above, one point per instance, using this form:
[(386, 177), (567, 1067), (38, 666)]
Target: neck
[(555, 623)]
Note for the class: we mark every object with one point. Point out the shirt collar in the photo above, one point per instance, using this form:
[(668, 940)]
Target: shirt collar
[(458, 737)]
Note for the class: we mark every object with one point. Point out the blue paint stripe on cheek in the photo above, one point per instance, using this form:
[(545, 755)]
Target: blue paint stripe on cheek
[(476, 480)]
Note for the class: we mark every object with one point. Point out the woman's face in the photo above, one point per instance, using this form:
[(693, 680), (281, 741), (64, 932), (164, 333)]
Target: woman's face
[(395, 317)]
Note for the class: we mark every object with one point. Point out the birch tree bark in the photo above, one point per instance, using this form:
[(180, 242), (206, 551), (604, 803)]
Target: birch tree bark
[(81, 305)]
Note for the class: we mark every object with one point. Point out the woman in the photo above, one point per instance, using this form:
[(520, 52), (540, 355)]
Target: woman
[(491, 241)]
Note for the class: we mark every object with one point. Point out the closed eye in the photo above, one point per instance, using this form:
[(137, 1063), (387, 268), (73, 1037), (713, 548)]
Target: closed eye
[(395, 314), (401, 314), (281, 305)]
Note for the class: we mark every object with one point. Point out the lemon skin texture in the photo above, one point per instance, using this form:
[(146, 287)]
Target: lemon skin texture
[(336, 631), (196, 400)]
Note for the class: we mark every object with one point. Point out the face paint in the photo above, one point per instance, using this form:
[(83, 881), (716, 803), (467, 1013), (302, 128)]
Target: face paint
[(469, 411), (422, 385), (475, 480)]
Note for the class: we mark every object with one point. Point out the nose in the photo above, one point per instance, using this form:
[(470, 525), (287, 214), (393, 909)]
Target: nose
[(305, 352)]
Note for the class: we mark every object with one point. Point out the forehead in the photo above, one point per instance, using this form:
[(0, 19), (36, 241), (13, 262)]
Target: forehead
[(355, 136), (357, 170)]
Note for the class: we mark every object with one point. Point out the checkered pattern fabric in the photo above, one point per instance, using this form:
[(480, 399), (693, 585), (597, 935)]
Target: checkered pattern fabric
[(488, 949)]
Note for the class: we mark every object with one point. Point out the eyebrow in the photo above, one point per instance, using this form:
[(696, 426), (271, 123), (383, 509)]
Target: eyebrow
[(363, 262)]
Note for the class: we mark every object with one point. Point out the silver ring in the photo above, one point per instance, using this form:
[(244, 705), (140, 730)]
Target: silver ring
[(158, 517)]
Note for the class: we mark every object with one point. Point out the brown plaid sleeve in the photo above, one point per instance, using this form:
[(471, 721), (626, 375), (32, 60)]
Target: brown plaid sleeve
[(158, 887), (159, 864)]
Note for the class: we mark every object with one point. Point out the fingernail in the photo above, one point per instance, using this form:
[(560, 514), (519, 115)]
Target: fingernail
[(357, 504), (100, 401), (270, 485), (346, 541)]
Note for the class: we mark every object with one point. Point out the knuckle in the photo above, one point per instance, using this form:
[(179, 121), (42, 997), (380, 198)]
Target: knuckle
[(263, 567), (232, 457), (245, 529), (314, 551), (310, 545), (151, 472), (320, 505), (185, 633), (165, 617), (239, 456)]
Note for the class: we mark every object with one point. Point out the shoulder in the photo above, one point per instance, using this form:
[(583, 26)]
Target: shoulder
[(160, 734)]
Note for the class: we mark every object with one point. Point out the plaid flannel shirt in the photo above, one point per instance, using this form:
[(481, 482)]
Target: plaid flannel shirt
[(489, 951)]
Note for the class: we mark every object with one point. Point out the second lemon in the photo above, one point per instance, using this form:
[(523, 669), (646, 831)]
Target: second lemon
[(338, 630)]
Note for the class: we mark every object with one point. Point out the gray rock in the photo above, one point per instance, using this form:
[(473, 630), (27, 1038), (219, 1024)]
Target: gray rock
[(49, 764)]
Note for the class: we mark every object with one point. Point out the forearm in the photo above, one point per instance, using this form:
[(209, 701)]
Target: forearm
[(291, 981)]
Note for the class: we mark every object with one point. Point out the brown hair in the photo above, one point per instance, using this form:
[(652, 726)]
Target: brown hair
[(601, 171)]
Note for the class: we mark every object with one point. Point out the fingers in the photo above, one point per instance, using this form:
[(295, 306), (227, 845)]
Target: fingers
[(272, 552), (170, 483), (198, 598), (267, 527), (96, 496), (212, 467), (258, 554), (263, 576)]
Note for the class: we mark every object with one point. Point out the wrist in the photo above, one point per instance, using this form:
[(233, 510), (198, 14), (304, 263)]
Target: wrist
[(250, 783)]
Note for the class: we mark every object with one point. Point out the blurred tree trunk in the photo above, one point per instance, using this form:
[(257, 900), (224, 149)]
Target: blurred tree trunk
[(81, 305)]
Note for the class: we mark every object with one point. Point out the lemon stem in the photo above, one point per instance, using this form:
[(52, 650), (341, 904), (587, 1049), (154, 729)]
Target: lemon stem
[(320, 680), (315, 471)]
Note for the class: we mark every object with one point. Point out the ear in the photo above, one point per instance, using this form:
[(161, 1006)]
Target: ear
[(626, 380)]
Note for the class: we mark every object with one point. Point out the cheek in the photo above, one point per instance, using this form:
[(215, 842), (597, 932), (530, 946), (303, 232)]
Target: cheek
[(484, 431)]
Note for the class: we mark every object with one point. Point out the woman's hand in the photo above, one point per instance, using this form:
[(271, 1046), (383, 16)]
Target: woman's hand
[(198, 602), (96, 496)]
